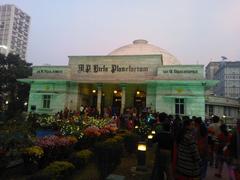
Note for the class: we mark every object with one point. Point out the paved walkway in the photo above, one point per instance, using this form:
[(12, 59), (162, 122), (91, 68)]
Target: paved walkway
[(212, 171)]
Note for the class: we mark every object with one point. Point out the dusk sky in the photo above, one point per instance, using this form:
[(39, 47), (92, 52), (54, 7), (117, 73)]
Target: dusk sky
[(195, 31)]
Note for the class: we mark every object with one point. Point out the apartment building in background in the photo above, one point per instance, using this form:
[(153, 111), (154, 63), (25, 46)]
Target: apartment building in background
[(228, 75), (14, 30)]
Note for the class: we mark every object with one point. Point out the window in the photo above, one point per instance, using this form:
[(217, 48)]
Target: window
[(210, 110), (46, 101), (179, 106)]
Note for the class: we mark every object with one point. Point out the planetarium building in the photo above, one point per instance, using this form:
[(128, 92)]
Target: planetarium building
[(136, 75)]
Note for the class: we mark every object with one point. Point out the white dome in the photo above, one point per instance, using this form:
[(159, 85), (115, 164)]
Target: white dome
[(141, 47)]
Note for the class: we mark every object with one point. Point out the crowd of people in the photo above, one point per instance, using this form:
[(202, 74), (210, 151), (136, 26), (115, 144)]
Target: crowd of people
[(186, 146)]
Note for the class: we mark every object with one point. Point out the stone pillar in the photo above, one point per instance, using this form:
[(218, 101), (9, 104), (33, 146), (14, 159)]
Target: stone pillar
[(99, 98), (123, 99)]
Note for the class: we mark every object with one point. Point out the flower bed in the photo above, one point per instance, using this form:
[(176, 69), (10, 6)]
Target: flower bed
[(55, 170), (32, 157), (56, 147)]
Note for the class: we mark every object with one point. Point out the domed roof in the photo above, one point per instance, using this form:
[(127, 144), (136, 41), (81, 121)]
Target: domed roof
[(141, 47)]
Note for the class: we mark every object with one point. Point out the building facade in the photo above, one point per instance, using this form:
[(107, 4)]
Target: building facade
[(211, 69), (136, 75), (14, 30), (228, 75), (226, 108)]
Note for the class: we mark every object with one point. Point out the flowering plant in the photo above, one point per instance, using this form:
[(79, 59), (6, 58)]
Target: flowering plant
[(100, 123), (71, 129), (92, 131), (50, 142), (34, 151), (46, 121)]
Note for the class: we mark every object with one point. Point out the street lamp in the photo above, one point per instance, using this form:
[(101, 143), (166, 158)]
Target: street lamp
[(150, 140), (141, 156)]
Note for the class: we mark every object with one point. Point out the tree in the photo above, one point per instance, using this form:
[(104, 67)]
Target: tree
[(12, 91)]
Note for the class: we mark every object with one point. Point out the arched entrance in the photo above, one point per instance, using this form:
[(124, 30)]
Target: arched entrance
[(116, 103), (140, 100)]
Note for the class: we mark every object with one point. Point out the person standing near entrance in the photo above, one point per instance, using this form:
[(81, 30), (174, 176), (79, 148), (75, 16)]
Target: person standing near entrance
[(188, 158), (163, 155), (201, 135), (234, 151)]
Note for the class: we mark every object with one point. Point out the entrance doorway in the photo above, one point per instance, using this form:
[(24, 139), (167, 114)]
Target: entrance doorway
[(140, 100), (117, 100)]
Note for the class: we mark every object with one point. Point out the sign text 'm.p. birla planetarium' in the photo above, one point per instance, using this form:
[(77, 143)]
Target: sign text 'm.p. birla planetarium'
[(95, 68)]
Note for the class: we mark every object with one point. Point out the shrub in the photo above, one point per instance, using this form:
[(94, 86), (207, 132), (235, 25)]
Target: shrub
[(34, 151), (119, 138), (32, 158), (55, 170), (81, 158), (56, 147), (130, 142), (108, 156), (72, 130)]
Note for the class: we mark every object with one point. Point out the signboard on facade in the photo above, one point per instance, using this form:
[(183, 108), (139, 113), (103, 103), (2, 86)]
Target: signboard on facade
[(53, 72), (113, 68), (181, 72)]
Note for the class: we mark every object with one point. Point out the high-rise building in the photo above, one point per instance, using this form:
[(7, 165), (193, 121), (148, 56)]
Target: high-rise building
[(211, 69), (14, 30), (228, 75)]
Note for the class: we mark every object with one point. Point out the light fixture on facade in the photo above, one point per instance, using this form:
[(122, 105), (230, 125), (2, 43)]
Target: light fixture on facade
[(25, 104), (138, 92), (136, 127), (94, 91), (6, 102), (115, 91)]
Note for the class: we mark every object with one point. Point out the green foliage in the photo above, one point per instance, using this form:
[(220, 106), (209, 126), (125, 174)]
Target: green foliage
[(34, 151), (46, 121), (81, 158), (32, 157), (108, 155), (118, 138), (15, 134), (55, 170), (100, 123), (143, 130), (11, 69), (130, 142), (72, 129)]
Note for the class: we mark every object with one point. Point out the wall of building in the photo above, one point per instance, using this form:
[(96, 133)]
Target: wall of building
[(151, 96), (193, 95), (58, 92), (222, 106), (14, 30)]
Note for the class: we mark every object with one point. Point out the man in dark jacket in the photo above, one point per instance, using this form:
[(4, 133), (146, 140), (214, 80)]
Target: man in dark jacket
[(163, 156)]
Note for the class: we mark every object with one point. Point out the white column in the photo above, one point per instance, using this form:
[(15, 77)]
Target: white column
[(99, 98), (123, 99)]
